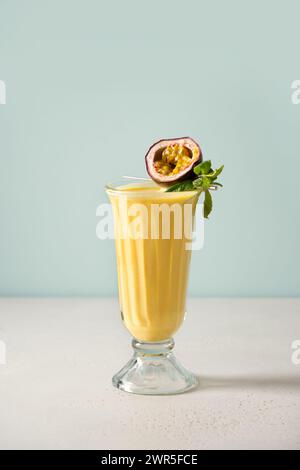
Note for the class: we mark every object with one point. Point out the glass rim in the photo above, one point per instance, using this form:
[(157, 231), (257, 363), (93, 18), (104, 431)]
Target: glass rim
[(117, 187)]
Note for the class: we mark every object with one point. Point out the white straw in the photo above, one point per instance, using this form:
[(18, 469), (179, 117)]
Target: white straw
[(136, 178)]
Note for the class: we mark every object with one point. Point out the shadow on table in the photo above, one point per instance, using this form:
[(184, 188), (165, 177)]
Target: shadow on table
[(248, 382)]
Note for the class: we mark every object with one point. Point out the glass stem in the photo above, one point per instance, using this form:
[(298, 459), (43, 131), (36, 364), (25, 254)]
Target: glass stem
[(157, 349)]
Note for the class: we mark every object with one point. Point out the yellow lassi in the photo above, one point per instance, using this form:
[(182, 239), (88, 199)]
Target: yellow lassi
[(152, 266)]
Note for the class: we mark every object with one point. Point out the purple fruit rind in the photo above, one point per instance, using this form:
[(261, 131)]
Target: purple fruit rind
[(162, 143)]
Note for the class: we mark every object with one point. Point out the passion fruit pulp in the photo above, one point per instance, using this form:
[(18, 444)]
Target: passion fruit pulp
[(171, 160)]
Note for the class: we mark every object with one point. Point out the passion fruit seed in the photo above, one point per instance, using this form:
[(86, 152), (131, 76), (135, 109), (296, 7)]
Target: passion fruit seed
[(174, 159)]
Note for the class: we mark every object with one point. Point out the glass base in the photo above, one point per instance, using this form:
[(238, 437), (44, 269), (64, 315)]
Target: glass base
[(153, 370)]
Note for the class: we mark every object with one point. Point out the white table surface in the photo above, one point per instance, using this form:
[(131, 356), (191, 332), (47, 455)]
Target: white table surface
[(56, 393)]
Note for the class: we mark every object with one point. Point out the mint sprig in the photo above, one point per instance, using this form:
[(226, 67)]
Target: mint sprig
[(186, 185), (204, 179), (203, 168), (207, 204)]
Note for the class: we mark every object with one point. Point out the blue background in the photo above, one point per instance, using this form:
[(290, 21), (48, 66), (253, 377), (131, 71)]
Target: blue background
[(91, 84)]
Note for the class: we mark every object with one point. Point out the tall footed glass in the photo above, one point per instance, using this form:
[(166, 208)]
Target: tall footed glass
[(153, 231)]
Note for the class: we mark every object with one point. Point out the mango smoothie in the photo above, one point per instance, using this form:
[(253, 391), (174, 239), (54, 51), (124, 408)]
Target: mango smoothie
[(153, 265), (154, 231)]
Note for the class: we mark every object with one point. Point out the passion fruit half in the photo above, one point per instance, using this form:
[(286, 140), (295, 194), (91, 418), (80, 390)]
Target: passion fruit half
[(172, 160)]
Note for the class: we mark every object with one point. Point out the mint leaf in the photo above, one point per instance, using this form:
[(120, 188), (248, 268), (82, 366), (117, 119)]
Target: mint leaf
[(202, 183), (214, 175), (186, 185), (207, 204), (206, 182), (203, 168), (198, 183)]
